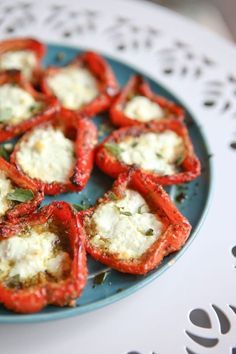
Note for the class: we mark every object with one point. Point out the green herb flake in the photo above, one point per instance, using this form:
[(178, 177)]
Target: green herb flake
[(5, 114), (149, 232), (100, 279), (4, 153), (104, 129), (20, 195), (60, 56), (80, 207), (181, 197), (34, 108), (134, 144), (14, 282), (159, 155), (126, 213), (140, 209), (179, 160), (113, 148), (123, 212), (119, 290), (112, 196)]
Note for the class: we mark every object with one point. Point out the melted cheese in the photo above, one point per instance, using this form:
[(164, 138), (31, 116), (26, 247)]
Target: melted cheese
[(125, 227), (16, 104), (28, 255), (153, 151), (5, 188), (74, 87), (46, 155), (143, 109), (24, 60)]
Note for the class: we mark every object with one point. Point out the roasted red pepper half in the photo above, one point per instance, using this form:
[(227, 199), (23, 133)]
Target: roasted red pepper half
[(23, 196), (174, 231), (105, 81), (186, 168), (31, 294), (29, 45), (138, 87), (63, 147), (42, 109)]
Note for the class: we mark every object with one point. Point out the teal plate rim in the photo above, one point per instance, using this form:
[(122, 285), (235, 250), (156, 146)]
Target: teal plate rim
[(65, 312)]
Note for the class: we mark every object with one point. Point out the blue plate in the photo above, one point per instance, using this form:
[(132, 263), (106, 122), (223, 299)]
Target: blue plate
[(192, 199)]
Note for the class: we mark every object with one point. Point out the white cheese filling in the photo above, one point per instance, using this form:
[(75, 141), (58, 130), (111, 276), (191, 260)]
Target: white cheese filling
[(27, 256), (125, 227), (143, 109), (16, 104), (73, 86), (159, 152), (24, 60), (46, 155), (5, 188)]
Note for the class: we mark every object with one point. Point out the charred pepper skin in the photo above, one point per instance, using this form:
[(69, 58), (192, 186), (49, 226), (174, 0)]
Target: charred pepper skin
[(59, 293), (107, 84), (138, 86), (176, 228), (24, 208), (35, 46), (83, 133), (50, 106), (108, 163)]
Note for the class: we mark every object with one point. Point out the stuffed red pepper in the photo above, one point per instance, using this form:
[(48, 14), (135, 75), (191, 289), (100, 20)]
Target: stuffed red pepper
[(134, 226), (136, 103), (161, 150), (24, 54), (42, 260), (87, 85), (21, 107), (58, 156)]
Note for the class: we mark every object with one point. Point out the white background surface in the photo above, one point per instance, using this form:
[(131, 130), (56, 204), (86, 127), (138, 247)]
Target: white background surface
[(154, 320)]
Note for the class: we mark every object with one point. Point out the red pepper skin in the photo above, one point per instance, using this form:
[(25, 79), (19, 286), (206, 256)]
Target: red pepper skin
[(20, 181), (107, 84), (61, 293), (176, 228), (138, 86), (109, 164), (84, 134), (26, 44), (51, 106)]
